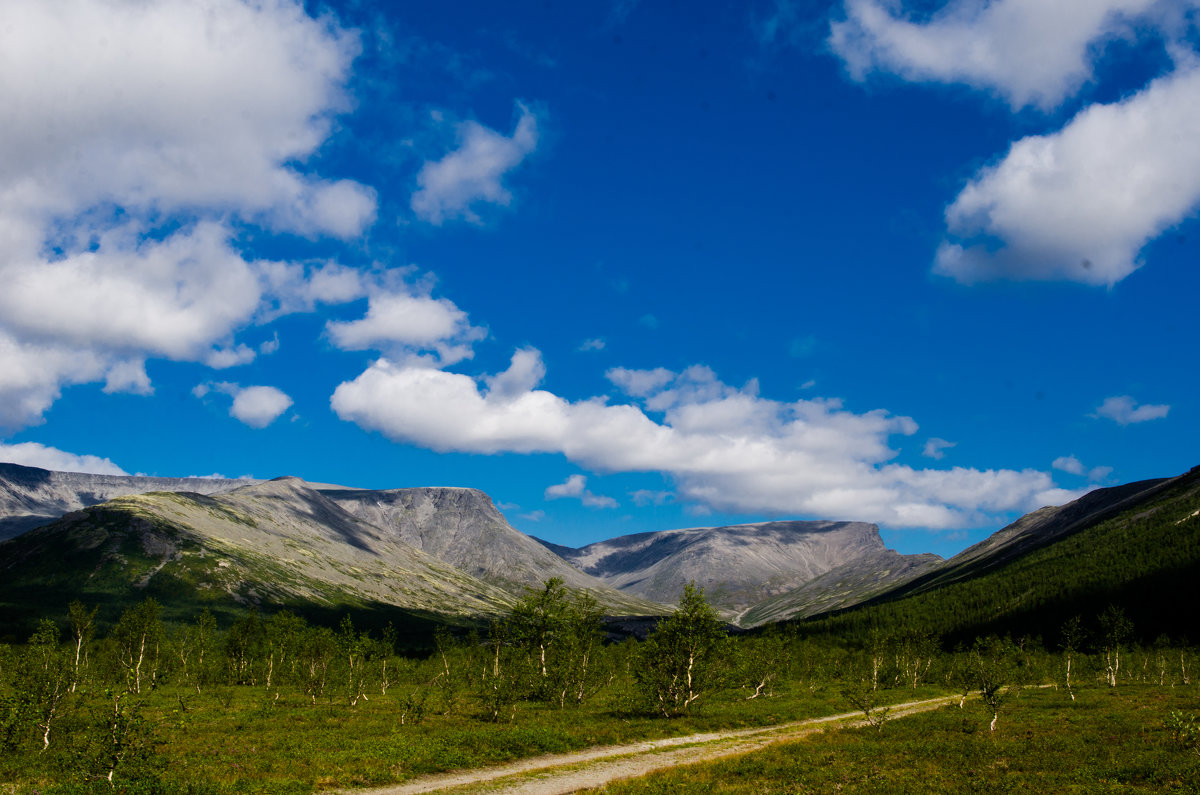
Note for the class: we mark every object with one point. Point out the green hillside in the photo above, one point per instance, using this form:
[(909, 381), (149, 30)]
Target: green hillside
[(265, 547), (1145, 559)]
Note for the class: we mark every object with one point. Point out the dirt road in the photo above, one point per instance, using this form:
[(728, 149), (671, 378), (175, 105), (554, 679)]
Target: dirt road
[(595, 767)]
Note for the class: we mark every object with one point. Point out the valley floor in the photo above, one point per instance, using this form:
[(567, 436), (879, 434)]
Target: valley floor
[(1135, 739), (595, 767)]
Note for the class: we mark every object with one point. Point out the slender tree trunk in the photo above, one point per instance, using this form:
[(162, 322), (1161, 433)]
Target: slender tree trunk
[(137, 668)]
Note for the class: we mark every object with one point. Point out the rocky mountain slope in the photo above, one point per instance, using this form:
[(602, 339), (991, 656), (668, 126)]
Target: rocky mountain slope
[(462, 527), (449, 551), (273, 543), (30, 496), (851, 583), (738, 566)]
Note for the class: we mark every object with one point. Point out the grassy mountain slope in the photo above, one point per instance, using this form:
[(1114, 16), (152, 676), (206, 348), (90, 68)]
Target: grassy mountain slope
[(1141, 553), (31, 497), (278, 543), (1033, 531)]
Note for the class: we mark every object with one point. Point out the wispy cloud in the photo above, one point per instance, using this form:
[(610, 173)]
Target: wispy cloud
[(472, 174), (1031, 53), (1073, 466), (1124, 410), (575, 487), (644, 497), (1069, 464), (936, 448)]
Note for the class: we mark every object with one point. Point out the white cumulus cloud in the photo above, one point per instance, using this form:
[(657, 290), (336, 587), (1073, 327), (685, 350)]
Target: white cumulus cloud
[(33, 454), (400, 320), (256, 406), (1124, 410), (473, 173), (1080, 203), (1076, 204), (726, 448), (136, 135), (1031, 52)]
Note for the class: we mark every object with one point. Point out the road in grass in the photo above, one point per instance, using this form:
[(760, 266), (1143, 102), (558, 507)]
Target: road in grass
[(595, 767)]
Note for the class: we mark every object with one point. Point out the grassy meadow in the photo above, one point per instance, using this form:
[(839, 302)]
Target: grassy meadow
[(1107, 740)]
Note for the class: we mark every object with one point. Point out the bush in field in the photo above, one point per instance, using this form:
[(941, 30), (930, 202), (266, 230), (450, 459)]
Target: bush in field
[(1185, 730), (118, 745)]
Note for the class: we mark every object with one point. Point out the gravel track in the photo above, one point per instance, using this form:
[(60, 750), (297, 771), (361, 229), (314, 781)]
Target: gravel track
[(594, 767)]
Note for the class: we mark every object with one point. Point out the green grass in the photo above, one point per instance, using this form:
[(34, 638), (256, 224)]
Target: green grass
[(241, 740), (1106, 741)]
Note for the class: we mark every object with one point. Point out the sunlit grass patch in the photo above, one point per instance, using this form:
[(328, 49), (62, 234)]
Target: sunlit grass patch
[(1104, 742)]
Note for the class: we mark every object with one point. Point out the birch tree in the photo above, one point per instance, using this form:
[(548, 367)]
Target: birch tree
[(680, 661)]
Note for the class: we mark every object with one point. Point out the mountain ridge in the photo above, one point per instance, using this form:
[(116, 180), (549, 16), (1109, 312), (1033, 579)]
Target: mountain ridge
[(739, 566), (32, 496)]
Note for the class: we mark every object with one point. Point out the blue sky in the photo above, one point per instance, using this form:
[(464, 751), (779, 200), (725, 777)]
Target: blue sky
[(624, 265)]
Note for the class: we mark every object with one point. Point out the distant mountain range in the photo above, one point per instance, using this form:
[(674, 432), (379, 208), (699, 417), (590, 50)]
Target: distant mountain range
[(448, 552), (741, 566)]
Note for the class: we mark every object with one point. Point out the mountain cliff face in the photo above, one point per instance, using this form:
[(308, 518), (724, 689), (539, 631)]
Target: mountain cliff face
[(463, 528), (738, 566), (30, 497), (449, 551)]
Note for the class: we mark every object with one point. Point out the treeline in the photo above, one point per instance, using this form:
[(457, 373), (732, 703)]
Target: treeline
[(1144, 560), (74, 702)]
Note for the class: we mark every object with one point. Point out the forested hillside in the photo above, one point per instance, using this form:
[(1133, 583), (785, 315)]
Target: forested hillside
[(1144, 560)]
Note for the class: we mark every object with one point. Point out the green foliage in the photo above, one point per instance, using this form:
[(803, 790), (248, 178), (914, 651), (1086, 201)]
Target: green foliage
[(995, 668), (1115, 632), (117, 745), (138, 636), (1185, 730), (266, 704), (682, 659)]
